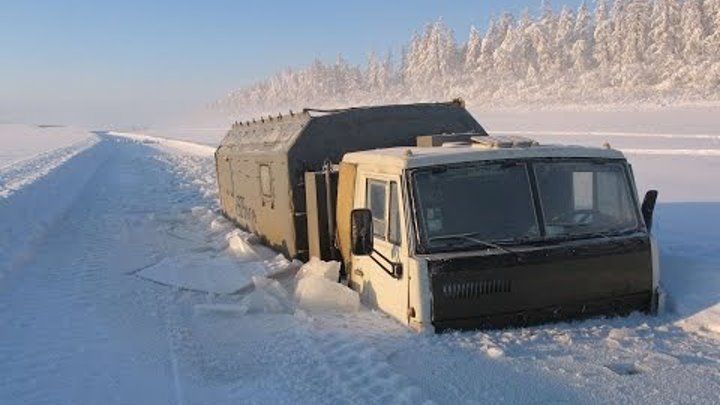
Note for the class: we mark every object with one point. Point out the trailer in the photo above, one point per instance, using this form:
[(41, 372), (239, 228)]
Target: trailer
[(263, 164), (441, 225)]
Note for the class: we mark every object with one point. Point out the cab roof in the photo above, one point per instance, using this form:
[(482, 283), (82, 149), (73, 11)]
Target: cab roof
[(413, 157)]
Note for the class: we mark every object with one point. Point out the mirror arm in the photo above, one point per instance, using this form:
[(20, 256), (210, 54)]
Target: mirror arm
[(395, 270)]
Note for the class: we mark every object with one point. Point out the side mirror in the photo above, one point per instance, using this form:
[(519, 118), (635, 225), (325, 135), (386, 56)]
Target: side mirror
[(648, 206), (361, 231)]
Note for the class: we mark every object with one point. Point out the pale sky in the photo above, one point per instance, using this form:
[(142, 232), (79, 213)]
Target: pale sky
[(110, 63)]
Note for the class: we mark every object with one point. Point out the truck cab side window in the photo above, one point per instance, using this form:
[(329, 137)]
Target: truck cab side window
[(394, 219), (376, 199)]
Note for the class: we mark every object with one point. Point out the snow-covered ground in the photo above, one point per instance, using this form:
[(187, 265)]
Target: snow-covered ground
[(109, 303), (30, 152), (41, 171)]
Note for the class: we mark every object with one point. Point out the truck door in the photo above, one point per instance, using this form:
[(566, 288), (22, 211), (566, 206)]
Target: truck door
[(378, 286)]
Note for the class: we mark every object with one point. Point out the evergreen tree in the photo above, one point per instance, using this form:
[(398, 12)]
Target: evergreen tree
[(603, 36), (473, 51), (583, 33), (564, 40), (665, 22), (693, 32), (712, 42), (636, 23)]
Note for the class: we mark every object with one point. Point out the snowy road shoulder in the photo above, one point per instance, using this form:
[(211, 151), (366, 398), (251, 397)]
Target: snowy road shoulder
[(29, 153), (34, 192), (167, 144)]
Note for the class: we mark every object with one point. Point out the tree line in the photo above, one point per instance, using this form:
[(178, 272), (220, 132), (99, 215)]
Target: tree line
[(624, 51)]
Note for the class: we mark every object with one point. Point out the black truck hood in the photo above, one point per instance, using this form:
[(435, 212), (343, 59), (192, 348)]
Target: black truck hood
[(532, 285)]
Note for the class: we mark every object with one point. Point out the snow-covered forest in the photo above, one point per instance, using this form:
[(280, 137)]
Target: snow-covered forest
[(621, 51)]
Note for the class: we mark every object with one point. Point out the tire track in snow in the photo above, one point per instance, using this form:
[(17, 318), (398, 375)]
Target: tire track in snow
[(359, 371)]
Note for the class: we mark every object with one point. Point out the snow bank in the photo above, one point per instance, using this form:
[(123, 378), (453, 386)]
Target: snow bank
[(34, 192), (31, 153), (20, 143), (191, 148)]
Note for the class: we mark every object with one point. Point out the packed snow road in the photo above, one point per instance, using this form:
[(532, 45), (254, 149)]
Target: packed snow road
[(104, 306)]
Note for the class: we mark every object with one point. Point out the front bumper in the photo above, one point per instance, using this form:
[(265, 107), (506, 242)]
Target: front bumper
[(616, 306)]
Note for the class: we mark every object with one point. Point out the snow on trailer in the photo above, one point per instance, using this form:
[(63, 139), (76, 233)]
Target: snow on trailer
[(264, 165)]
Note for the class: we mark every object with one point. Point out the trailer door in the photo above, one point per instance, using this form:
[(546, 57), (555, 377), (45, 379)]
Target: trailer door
[(373, 275)]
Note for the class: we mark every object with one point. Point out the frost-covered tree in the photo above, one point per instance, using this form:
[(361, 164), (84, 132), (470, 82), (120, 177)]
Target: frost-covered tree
[(636, 30), (515, 52), (564, 40), (581, 51), (603, 36), (377, 77), (432, 60), (486, 60), (473, 50), (616, 42), (693, 31), (664, 32), (712, 15), (504, 24)]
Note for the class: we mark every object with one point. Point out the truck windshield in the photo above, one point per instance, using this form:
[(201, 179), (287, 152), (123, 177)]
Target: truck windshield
[(585, 198), (494, 205), (477, 204)]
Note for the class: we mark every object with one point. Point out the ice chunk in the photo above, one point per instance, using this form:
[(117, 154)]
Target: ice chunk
[(221, 275), (316, 267), (219, 225), (318, 289), (319, 294), (267, 297), (240, 247)]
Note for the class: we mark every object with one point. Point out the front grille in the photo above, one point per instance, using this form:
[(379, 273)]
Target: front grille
[(474, 289)]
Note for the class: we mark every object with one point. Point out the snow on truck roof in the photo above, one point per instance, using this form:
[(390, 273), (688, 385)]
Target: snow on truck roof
[(348, 128), (412, 157)]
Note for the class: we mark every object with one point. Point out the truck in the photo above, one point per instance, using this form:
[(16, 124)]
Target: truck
[(441, 225)]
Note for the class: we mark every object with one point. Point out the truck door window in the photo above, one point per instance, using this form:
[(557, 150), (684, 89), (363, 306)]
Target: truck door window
[(376, 200), (394, 218)]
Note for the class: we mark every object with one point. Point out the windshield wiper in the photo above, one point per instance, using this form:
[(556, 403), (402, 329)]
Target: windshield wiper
[(607, 235), (469, 236)]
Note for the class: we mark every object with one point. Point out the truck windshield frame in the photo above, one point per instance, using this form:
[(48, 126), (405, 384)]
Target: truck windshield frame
[(521, 199), (445, 195)]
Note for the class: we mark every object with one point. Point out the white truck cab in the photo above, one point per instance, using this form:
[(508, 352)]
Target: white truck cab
[(496, 231)]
